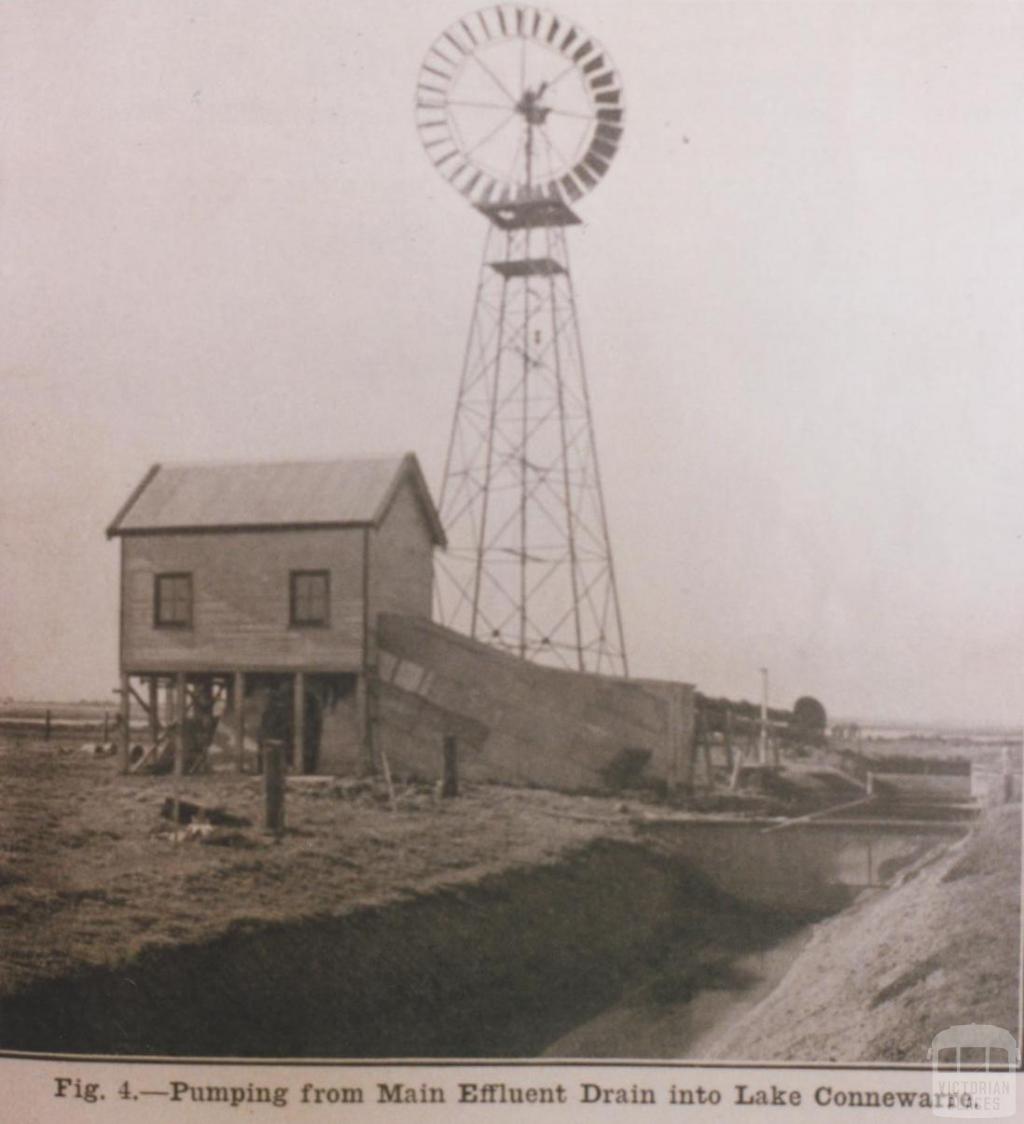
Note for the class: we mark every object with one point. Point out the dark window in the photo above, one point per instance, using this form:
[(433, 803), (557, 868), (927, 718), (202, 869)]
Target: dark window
[(310, 597), (172, 601)]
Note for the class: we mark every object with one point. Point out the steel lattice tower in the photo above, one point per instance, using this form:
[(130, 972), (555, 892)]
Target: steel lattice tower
[(522, 112)]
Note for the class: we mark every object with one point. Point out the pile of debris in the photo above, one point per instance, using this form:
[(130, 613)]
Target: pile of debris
[(201, 824)]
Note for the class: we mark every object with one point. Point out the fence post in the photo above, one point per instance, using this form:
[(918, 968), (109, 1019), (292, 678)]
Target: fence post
[(273, 785), (450, 781), (124, 720)]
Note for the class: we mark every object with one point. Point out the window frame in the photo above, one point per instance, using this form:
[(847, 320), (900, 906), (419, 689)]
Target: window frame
[(293, 599), (160, 600)]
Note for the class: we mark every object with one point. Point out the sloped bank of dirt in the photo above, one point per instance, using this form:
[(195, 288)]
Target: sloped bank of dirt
[(877, 982), (501, 967)]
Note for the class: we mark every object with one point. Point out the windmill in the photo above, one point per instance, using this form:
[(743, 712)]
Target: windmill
[(522, 112)]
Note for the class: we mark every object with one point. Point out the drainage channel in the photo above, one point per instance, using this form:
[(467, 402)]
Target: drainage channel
[(612, 947), (810, 869)]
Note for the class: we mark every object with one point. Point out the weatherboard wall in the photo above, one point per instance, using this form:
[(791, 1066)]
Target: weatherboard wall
[(240, 586), (402, 558)]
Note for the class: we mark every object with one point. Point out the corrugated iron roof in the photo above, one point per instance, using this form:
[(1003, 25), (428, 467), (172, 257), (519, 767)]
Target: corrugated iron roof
[(193, 497)]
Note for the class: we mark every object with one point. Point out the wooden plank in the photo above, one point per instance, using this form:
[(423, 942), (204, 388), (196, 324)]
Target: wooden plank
[(817, 815), (139, 699)]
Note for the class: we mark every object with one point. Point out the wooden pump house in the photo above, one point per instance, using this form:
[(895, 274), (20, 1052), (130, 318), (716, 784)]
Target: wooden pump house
[(250, 592)]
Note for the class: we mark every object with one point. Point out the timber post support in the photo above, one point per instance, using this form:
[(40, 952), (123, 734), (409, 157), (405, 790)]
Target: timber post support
[(703, 748), (363, 722), (124, 719), (238, 706), (298, 754), (154, 708), (675, 736), (273, 786), (450, 779), (180, 703)]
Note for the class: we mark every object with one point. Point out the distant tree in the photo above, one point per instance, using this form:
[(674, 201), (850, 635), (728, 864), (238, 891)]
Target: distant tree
[(809, 719)]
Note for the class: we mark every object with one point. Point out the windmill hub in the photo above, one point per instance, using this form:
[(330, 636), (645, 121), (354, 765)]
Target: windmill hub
[(531, 109)]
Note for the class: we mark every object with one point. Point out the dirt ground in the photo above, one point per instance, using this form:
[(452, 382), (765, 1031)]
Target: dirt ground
[(90, 874)]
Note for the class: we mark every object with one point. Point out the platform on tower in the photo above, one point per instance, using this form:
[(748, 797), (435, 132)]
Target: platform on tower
[(529, 213), (527, 267)]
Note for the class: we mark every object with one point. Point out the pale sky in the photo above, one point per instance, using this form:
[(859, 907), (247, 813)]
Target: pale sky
[(799, 285)]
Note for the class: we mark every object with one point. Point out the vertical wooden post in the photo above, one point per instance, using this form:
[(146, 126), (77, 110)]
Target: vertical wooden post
[(737, 756), (728, 738), (273, 785), (298, 754), (154, 708), (704, 746), (170, 708), (125, 714), (450, 780), (674, 738), (363, 723), (762, 744), (238, 705), (180, 702)]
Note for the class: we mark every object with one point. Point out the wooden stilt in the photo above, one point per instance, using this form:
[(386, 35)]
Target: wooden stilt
[(238, 705), (180, 706), (154, 709), (298, 755), (702, 748), (675, 735), (125, 721), (363, 724), (170, 709)]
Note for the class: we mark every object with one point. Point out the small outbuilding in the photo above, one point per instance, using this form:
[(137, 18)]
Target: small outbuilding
[(252, 591)]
